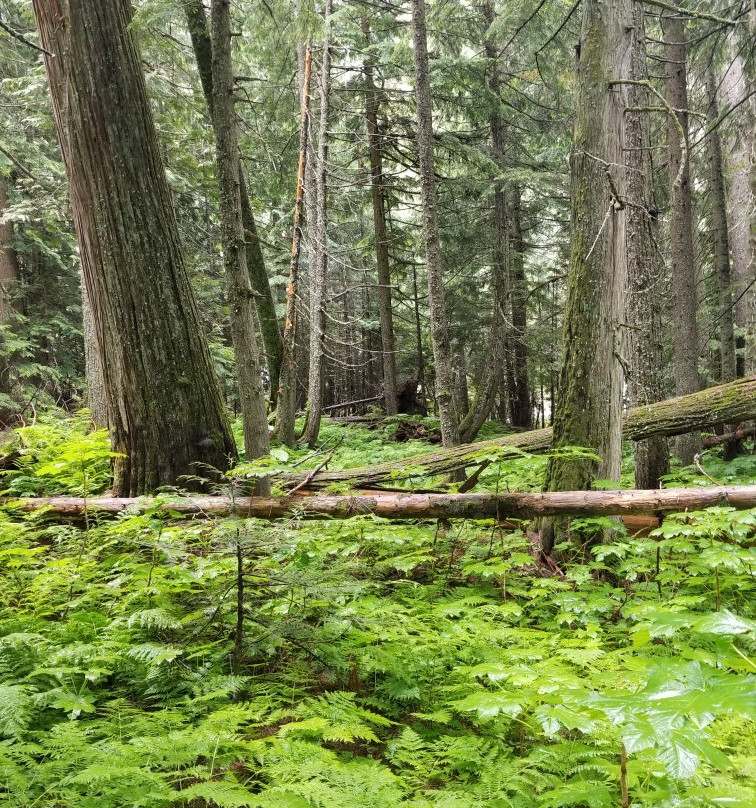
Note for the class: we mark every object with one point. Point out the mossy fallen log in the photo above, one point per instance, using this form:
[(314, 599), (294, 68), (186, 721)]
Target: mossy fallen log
[(727, 403)]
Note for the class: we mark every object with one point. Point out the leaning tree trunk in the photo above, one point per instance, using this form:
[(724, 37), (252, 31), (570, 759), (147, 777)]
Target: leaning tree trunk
[(319, 267), (684, 295), (741, 170), (644, 266), (443, 357), (163, 396), (589, 411), (727, 403), (258, 276), (378, 196), (240, 299)]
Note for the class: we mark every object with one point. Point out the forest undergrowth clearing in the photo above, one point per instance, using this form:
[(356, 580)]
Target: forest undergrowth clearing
[(377, 664)]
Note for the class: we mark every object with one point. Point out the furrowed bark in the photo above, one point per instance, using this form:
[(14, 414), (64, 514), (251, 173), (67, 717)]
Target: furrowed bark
[(164, 399), (519, 383), (412, 506), (728, 403)]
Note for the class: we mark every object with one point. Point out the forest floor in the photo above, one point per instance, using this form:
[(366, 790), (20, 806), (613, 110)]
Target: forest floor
[(375, 664)]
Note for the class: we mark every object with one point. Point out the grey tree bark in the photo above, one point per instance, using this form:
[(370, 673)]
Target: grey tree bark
[(163, 396), (265, 303), (319, 266), (589, 410), (239, 288), (644, 266), (443, 357), (684, 294), (741, 203), (8, 281), (378, 197)]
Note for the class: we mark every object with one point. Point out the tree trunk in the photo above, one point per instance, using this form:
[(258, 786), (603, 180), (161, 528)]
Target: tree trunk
[(443, 357), (644, 266), (684, 294), (378, 195), (96, 394), (8, 280), (163, 396), (412, 506), (319, 267), (287, 386), (589, 411), (258, 276), (721, 240), (519, 392), (728, 403), (493, 371), (741, 170), (240, 296)]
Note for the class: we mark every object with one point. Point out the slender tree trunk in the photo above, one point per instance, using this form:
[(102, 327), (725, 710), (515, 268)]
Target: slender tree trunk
[(378, 195), (287, 387), (418, 332), (258, 276), (443, 357), (721, 241), (520, 386), (8, 281), (319, 268), (741, 172), (589, 412), (493, 372), (163, 396), (240, 295), (644, 342), (684, 294)]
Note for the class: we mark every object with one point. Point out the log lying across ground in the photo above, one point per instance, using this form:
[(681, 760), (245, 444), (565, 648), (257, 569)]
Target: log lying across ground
[(726, 404), (412, 506)]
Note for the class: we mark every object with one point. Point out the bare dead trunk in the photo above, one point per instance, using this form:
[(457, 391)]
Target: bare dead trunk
[(413, 506)]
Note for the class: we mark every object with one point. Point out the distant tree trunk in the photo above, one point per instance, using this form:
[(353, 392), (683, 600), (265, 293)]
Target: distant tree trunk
[(721, 240), (741, 170), (319, 268), (684, 293), (494, 367), (240, 295), (96, 394), (258, 276), (8, 280), (163, 397), (443, 358), (287, 386), (589, 411), (519, 385), (377, 191), (644, 341)]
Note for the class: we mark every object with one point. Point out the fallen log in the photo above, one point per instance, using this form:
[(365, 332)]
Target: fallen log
[(409, 506), (727, 403), (740, 433)]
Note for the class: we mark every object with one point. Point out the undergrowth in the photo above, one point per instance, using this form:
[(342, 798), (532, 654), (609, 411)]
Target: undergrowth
[(375, 664)]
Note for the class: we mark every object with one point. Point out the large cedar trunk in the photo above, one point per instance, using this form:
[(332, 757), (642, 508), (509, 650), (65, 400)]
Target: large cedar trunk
[(164, 400), (589, 411), (644, 267), (684, 296), (443, 356)]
